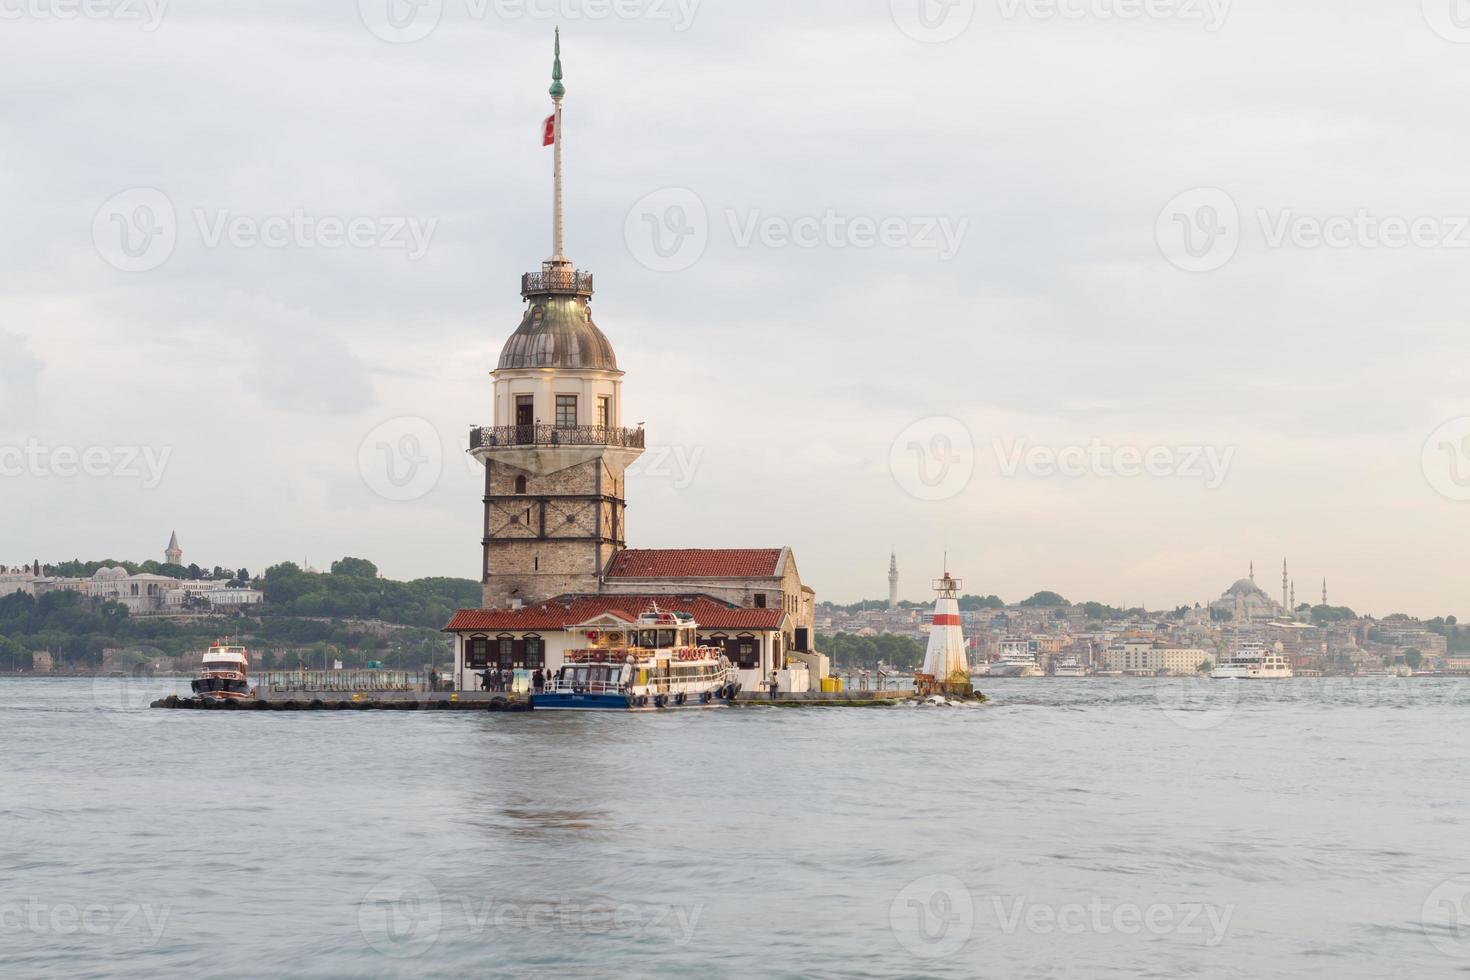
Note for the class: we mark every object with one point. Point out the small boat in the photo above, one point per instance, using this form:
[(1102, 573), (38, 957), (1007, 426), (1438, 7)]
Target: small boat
[(657, 665), (224, 675)]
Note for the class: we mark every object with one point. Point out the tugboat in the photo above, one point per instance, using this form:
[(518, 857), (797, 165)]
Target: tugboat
[(657, 664), (224, 675)]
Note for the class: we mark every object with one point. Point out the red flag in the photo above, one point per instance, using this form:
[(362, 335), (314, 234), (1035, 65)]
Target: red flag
[(549, 136)]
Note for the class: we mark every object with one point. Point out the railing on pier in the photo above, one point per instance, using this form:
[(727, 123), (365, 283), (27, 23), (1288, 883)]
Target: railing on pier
[(337, 681), (491, 437)]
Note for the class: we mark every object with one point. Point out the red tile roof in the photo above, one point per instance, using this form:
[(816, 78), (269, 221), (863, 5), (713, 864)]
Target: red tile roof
[(567, 611), (697, 563)]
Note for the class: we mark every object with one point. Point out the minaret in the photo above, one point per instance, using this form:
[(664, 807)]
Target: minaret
[(1253, 572), (1285, 598), (1293, 598), (557, 453), (893, 580), (173, 554), (1324, 592)]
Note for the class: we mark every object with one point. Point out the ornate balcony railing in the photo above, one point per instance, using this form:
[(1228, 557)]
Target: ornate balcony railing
[(509, 436), (556, 281)]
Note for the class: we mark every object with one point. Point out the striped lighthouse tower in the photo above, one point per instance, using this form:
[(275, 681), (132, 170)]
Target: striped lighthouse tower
[(946, 665)]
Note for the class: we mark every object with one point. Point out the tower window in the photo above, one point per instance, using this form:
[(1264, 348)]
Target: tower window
[(520, 484), (760, 600), (525, 410), (604, 411), (566, 411)]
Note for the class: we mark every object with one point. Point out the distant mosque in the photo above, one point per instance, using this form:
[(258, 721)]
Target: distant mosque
[(1247, 602)]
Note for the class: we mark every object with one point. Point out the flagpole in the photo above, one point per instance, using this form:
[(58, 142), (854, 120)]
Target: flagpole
[(557, 92)]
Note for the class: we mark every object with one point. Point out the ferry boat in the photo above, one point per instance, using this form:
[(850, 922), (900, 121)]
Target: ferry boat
[(1254, 661), (657, 664), (224, 675)]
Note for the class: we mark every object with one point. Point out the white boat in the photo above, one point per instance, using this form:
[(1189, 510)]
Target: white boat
[(657, 664), (224, 675), (1016, 658), (1255, 662), (1069, 667)]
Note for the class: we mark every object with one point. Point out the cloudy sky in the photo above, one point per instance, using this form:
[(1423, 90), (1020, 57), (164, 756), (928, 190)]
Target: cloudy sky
[(1104, 296)]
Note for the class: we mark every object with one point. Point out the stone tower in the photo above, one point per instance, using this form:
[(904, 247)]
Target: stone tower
[(173, 554), (893, 580), (556, 456)]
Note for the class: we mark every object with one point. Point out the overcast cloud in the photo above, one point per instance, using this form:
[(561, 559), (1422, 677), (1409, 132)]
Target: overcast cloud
[(1025, 229)]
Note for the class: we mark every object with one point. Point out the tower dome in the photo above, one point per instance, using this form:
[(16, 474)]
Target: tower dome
[(557, 330)]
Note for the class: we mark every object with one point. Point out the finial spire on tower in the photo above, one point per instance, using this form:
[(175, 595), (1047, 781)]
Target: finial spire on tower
[(558, 92)]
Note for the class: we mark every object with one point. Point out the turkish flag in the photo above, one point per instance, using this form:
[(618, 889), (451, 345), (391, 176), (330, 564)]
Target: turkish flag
[(549, 136)]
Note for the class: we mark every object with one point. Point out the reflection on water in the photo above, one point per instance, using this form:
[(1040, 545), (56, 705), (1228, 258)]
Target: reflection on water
[(1072, 827)]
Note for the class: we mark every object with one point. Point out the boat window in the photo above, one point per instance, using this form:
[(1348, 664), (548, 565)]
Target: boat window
[(665, 638)]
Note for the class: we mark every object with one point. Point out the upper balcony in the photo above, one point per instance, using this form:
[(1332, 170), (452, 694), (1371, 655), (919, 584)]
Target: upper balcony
[(556, 281), (518, 436)]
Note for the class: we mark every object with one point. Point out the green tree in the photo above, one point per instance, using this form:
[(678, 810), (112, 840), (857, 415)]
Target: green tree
[(355, 567), (1043, 600)]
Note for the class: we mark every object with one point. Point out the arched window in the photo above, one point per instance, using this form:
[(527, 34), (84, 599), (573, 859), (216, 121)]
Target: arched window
[(520, 484)]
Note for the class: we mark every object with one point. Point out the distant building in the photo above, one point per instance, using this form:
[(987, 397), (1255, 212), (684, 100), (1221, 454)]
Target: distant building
[(1246, 602), (42, 662), (173, 554), (893, 580)]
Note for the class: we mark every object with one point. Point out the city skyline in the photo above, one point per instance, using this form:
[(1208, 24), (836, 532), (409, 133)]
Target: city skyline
[(308, 391)]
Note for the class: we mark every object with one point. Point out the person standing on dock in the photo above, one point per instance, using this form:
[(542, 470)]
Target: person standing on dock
[(775, 686)]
